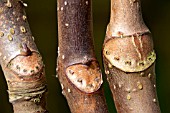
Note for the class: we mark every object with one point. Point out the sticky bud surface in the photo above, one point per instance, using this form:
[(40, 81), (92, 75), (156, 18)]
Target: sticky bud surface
[(87, 78)]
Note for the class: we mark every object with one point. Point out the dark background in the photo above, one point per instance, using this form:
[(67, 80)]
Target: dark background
[(42, 18)]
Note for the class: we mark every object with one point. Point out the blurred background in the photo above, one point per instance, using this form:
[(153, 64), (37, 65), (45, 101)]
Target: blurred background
[(42, 17)]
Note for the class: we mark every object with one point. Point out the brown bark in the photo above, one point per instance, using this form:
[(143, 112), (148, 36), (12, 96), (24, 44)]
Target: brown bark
[(20, 60), (78, 69), (129, 59)]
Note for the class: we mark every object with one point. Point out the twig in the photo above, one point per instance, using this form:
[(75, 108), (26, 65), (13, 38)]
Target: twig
[(78, 69), (20, 60), (129, 59)]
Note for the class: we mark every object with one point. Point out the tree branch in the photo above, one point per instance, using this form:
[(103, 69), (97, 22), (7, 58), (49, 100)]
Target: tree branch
[(20, 60), (129, 59), (78, 69)]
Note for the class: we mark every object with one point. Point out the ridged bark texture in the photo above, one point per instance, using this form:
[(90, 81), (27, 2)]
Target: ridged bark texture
[(129, 59), (78, 69), (20, 60)]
